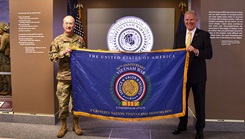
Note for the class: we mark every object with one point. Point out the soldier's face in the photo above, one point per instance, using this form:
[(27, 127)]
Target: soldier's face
[(68, 25)]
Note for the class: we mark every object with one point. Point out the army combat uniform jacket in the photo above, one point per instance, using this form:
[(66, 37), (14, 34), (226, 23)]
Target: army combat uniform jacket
[(59, 44), (5, 48)]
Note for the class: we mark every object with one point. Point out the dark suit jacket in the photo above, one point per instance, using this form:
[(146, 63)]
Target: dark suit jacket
[(197, 65)]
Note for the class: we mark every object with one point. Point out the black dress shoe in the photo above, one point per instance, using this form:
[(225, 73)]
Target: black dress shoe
[(178, 130), (199, 135)]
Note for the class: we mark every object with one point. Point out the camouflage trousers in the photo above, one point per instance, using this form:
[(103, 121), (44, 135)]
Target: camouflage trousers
[(5, 85), (5, 80), (64, 94)]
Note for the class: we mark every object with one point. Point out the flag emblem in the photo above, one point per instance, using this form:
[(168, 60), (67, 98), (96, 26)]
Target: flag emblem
[(130, 85)]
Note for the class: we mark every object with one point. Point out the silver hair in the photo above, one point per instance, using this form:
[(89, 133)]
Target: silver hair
[(190, 12)]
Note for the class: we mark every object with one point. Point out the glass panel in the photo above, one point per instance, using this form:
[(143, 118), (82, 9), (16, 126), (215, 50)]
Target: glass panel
[(5, 71)]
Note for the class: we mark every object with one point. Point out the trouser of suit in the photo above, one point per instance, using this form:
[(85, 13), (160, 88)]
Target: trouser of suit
[(198, 90)]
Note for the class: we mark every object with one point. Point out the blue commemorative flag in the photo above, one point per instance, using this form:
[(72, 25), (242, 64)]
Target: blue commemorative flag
[(129, 86)]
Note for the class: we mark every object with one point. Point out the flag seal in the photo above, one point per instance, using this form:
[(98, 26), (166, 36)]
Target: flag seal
[(129, 86)]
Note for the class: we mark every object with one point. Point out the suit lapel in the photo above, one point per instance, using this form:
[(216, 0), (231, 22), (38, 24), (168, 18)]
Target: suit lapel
[(196, 35)]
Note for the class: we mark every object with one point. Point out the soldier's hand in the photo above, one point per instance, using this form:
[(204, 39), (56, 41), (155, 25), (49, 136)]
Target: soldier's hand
[(67, 51)]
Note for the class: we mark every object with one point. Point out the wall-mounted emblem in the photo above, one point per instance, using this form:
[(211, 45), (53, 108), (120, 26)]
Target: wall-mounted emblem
[(130, 34)]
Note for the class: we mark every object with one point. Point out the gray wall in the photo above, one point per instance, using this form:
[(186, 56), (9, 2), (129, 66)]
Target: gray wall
[(160, 20), (226, 71)]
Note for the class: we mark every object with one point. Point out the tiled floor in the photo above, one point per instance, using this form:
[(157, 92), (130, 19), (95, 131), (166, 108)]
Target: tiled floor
[(101, 129)]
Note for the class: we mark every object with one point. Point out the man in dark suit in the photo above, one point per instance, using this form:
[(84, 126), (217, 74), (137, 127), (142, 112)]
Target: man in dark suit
[(200, 49)]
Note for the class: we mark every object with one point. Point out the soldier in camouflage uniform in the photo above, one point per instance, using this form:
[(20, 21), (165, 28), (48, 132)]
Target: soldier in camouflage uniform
[(5, 80), (60, 52)]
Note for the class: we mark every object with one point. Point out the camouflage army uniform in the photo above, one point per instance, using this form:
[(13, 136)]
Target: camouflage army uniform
[(5, 80), (63, 92)]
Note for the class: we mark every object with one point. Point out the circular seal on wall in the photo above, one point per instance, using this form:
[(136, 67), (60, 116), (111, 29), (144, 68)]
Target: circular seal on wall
[(130, 34)]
